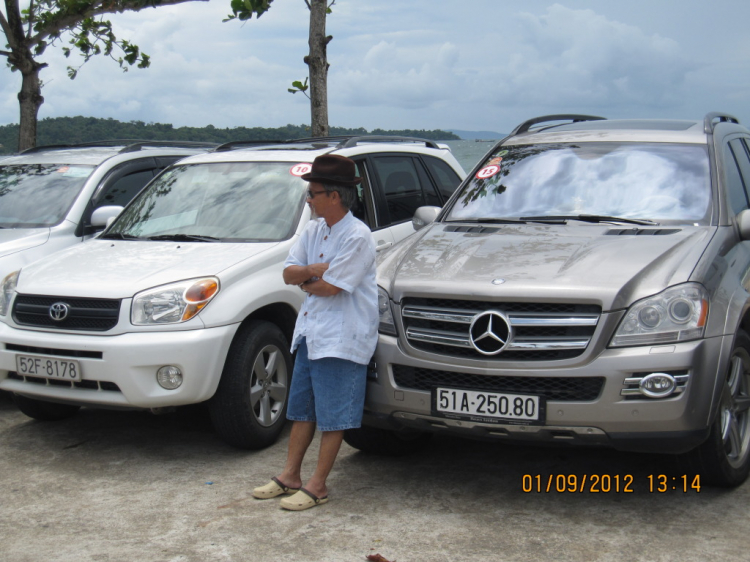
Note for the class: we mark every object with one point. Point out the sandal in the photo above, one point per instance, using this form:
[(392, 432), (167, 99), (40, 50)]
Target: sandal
[(302, 500), (274, 488)]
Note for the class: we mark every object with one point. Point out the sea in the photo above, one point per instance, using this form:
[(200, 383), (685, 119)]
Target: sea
[(469, 152)]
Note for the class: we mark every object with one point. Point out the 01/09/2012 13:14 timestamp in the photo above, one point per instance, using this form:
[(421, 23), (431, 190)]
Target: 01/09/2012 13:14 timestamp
[(607, 483)]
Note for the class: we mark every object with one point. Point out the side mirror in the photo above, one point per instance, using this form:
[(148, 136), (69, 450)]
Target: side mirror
[(103, 216), (424, 216)]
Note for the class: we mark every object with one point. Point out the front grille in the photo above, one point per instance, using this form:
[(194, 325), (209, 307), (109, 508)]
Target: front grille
[(559, 389), (92, 315), (538, 331), (84, 384)]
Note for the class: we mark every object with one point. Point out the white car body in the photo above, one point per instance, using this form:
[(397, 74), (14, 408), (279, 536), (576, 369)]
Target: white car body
[(119, 365)]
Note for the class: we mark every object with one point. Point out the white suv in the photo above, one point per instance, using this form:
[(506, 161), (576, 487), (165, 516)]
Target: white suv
[(181, 299), (52, 197)]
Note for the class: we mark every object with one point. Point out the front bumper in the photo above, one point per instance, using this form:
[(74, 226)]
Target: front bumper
[(125, 374), (674, 424)]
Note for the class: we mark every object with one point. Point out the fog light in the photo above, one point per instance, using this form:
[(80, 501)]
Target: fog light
[(169, 377), (658, 385)]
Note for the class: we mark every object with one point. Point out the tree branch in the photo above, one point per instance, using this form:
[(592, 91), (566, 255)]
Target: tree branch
[(98, 8), (12, 27)]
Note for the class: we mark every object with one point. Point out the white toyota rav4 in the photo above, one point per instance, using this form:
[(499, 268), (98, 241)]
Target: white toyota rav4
[(181, 299)]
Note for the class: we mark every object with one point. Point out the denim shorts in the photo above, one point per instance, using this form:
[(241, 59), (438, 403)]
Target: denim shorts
[(329, 391)]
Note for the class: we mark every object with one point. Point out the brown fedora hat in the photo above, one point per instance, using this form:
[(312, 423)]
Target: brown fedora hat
[(334, 169)]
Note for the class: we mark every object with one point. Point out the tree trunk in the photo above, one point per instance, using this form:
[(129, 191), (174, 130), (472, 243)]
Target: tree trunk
[(30, 100), (317, 62)]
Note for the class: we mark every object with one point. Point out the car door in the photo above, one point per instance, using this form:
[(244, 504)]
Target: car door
[(393, 186)]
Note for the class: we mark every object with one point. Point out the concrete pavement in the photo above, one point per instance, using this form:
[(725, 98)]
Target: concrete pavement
[(126, 486)]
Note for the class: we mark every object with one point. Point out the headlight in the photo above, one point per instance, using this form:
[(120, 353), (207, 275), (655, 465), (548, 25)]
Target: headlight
[(677, 314), (7, 291), (386, 326), (174, 303)]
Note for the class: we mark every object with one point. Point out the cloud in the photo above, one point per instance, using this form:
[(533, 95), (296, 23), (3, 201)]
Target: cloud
[(419, 64), (561, 57)]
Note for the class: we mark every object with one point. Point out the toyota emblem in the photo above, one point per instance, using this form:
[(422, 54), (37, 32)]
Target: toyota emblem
[(489, 332), (59, 311)]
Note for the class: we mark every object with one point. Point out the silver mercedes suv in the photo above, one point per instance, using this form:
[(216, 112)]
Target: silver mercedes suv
[(586, 284)]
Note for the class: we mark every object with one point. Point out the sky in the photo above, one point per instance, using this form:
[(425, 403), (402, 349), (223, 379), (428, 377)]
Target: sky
[(482, 65)]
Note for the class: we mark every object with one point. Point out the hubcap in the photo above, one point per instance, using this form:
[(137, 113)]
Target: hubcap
[(735, 414), (268, 385)]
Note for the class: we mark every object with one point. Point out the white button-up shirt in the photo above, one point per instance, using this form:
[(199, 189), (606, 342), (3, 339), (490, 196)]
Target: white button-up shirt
[(344, 325)]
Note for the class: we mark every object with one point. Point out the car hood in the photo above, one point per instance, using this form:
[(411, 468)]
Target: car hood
[(596, 264), (119, 269), (14, 240)]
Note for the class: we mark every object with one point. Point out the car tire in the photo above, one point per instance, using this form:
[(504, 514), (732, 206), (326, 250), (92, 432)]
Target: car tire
[(44, 411), (724, 458), (249, 407), (386, 442)]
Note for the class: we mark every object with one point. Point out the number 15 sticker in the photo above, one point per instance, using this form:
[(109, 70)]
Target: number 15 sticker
[(300, 169), (487, 172)]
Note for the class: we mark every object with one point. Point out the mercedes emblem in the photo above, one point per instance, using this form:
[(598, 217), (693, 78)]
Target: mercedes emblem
[(489, 332)]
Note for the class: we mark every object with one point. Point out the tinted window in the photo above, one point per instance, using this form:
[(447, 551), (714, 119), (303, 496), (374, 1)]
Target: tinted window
[(736, 197), (401, 186), (121, 191), (38, 195), (741, 156), (647, 181), (447, 180)]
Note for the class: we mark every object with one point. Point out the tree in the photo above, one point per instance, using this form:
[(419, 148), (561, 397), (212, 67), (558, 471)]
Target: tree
[(30, 31), (316, 60)]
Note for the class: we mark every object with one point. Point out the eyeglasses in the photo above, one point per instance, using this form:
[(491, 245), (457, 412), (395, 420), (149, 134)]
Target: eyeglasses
[(311, 194)]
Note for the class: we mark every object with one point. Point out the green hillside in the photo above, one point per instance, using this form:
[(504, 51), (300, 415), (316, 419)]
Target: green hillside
[(71, 130)]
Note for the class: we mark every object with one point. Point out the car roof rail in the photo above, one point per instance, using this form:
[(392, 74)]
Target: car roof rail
[(354, 140), (572, 117), (138, 145), (231, 145), (713, 118), (334, 142), (129, 145)]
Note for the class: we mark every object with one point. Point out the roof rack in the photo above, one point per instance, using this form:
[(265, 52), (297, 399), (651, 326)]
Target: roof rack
[(131, 145), (238, 144), (711, 119), (574, 118), (335, 142), (352, 141)]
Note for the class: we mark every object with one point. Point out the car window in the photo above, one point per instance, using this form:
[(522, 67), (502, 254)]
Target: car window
[(363, 208), (445, 177), (122, 190), (739, 148), (226, 201), (633, 180), (39, 195), (401, 186), (736, 195)]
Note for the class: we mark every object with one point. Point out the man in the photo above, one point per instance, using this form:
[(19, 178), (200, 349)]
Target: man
[(336, 330)]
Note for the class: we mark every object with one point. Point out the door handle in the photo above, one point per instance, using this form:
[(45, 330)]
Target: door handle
[(382, 245)]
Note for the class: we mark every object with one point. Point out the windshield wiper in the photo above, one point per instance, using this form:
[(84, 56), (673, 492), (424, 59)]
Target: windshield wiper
[(183, 238), (118, 236), (521, 220), (496, 220), (591, 218)]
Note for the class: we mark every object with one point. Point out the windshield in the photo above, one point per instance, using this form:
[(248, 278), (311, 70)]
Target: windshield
[(38, 195), (659, 182), (237, 201)]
